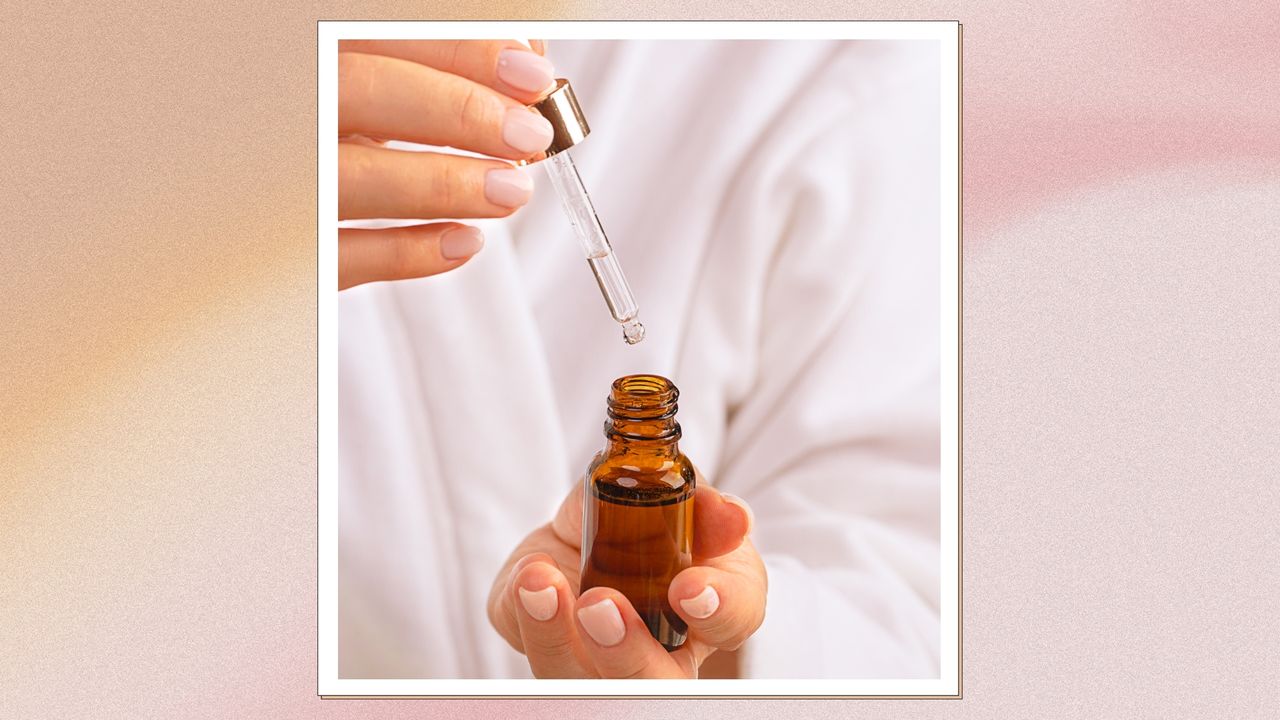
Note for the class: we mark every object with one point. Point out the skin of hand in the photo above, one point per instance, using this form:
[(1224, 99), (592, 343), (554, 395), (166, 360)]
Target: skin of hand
[(470, 95), (534, 603)]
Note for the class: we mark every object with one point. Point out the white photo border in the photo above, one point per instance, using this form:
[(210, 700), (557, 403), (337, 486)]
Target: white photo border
[(947, 33)]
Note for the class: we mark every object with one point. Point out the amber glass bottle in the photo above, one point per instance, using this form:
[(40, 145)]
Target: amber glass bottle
[(637, 519)]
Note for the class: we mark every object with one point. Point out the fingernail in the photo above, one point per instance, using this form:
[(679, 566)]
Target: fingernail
[(461, 243), (524, 70), (526, 131), (703, 604), (603, 623), (541, 604), (751, 517), (508, 188)]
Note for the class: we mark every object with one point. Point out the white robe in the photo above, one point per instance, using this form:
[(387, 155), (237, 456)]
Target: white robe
[(775, 207)]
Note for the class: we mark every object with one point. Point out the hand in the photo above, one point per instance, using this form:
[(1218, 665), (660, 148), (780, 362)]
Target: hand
[(534, 602), (466, 94)]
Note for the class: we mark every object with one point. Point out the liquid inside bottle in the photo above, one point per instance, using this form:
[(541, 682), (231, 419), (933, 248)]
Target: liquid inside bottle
[(638, 507)]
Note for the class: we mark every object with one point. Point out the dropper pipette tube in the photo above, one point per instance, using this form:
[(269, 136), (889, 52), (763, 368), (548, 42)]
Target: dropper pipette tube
[(600, 256)]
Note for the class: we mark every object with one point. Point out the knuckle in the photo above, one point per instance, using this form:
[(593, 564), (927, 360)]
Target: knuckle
[(729, 632), (448, 187), (356, 78), (402, 258), (455, 51), (471, 108), (348, 68), (630, 672), (357, 172), (554, 647), (721, 630)]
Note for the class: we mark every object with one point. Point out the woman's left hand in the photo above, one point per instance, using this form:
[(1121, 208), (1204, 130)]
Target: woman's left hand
[(534, 603)]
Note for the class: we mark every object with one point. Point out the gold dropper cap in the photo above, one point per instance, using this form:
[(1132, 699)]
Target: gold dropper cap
[(561, 109)]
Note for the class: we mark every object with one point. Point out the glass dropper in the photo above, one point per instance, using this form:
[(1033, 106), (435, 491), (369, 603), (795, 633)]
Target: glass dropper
[(570, 127)]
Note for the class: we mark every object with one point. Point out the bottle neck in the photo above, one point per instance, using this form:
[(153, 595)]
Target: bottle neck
[(642, 417), (621, 442)]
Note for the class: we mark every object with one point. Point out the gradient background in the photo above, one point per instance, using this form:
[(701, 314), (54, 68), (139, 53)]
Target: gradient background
[(1122, 379)]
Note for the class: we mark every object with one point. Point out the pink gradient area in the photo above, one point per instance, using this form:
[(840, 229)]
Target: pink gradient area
[(1047, 158), (1063, 97)]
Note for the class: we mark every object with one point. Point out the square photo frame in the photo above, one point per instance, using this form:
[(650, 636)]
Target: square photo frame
[(947, 34)]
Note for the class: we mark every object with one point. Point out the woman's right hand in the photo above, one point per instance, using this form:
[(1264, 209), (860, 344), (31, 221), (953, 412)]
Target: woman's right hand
[(467, 94)]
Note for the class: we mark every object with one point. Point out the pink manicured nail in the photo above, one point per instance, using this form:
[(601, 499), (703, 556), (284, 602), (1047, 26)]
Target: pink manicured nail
[(460, 243), (541, 604), (751, 517), (603, 623), (508, 187), (702, 605), (526, 131), (525, 70)]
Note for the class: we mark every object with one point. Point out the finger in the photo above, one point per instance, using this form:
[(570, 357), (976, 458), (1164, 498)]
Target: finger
[(362, 140), (617, 640), (502, 611), (541, 544), (721, 522), (568, 521), (381, 183), (691, 655), (504, 65), (405, 252), (722, 607), (388, 97), (543, 604)]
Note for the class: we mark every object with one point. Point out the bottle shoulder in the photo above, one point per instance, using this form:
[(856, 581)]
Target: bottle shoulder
[(635, 470)]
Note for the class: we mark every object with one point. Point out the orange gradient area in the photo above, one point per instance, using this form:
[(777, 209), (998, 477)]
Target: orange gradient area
[(157, 414), (158, 404)]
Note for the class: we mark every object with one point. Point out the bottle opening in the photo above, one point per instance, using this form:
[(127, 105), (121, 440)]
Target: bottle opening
[(644, 407), (643, 392)]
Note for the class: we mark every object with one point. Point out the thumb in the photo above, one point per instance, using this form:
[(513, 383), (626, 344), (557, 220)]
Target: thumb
[(567, 524), (720, 521)]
